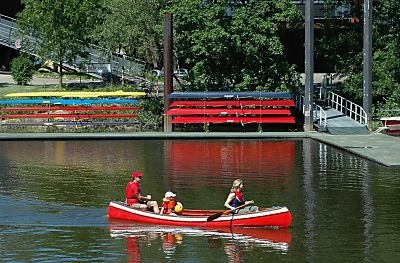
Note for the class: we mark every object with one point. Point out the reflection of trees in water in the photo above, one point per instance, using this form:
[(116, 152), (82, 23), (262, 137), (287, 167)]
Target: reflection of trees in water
[(94, 154), (71, 172)]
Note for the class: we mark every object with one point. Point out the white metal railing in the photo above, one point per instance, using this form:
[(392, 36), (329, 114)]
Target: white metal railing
[(347, 107), (319, 114), (128, 66)]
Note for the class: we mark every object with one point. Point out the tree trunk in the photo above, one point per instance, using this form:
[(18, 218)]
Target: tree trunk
[(61, 74)]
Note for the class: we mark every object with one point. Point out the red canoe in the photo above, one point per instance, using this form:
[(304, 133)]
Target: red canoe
[(266, 217), (391, 125)]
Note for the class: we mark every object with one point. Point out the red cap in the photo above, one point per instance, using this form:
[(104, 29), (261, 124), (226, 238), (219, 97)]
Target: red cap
[(136, 174)]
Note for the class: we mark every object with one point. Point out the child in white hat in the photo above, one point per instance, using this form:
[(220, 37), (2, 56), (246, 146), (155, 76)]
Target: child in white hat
[(168, 204)]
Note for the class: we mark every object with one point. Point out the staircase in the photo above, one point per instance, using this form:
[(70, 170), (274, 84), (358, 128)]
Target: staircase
[(100, 62), (341, 124), (344, 116), (338, 116)]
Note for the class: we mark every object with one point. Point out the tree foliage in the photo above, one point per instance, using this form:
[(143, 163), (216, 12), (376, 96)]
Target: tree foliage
[(235, 45), (22, 69), (60, 28), (151, 113), (134, 26), (342, 45)]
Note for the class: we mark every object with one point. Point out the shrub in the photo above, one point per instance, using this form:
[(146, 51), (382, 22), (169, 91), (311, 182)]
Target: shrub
[(151, 113), (22, 69)]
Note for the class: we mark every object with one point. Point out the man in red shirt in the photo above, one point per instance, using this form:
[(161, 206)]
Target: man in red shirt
[(135, 199)]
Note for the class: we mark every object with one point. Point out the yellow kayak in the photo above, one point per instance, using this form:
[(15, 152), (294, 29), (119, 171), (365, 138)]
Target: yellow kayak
[(78, 94)]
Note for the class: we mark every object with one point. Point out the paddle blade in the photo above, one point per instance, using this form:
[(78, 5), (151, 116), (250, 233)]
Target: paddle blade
[(214, 216)]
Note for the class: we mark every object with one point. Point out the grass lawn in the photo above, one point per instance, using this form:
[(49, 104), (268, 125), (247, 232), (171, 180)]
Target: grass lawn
[(12, 88), (66, 75)]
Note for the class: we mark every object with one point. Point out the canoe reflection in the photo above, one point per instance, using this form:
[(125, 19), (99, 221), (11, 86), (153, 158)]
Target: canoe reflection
[(169, 242), (132, 249), (234, 240), (234, 252)]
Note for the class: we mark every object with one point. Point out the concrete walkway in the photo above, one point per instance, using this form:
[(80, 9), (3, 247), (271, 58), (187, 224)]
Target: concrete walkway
[(379, 148)]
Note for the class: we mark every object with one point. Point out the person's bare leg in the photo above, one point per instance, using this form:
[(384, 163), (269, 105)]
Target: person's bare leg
[(152, 205), (139, 206)]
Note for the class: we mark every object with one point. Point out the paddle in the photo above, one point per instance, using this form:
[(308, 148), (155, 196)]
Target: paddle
[(215, 216)]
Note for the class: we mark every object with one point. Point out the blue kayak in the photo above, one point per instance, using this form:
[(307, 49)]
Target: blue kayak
[(68, 102)]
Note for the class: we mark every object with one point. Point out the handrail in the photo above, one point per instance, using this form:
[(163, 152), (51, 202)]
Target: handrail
[(126, 67), (348, 108), (6, 30), (7, 17), (380, 129), (319, 114)]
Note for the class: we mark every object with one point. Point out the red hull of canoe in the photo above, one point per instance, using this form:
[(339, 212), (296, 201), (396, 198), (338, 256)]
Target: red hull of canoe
[(392, 125), (273, 217)]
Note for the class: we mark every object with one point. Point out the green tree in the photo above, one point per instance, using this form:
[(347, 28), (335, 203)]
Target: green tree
[(22, 69), (386, 64), (58, 29), (342, 45), (235, 45), (134, 26), (151, 113)]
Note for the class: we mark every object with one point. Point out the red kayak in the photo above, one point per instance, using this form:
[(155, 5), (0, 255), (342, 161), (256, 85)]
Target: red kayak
[(277, 217)]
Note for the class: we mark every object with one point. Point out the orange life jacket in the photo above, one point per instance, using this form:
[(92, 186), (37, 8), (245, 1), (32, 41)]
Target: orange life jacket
[(169, 205)]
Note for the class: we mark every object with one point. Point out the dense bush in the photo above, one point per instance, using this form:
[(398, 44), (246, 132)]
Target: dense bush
[(151, 113), (22, 69)]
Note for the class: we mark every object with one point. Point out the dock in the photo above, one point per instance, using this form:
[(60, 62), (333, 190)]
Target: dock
[(380, 148)]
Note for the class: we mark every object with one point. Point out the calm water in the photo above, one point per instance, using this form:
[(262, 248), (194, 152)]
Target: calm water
[(54, 197)]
